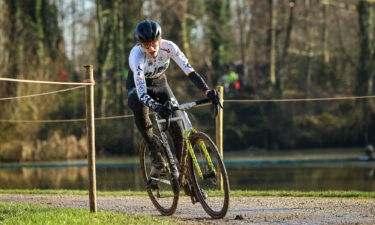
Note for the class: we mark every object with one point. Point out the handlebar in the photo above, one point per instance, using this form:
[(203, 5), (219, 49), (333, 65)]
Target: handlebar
[(191, 104), (186, 106)]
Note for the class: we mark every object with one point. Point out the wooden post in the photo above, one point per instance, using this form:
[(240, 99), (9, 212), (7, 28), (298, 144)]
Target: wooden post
[(90, 125), (219, 128)]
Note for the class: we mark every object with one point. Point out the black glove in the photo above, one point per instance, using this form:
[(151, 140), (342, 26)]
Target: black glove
[(213, 95), (163, 111)]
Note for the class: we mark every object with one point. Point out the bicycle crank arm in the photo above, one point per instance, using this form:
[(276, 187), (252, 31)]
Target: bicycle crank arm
[(161, 180)]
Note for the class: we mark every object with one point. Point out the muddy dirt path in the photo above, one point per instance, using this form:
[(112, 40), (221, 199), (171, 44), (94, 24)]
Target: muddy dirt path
[(243, 210)]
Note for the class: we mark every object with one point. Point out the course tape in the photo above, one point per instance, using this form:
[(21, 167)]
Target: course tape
[(227, 101), (86, 83), (300, 100), (41, 94), (68, 120)]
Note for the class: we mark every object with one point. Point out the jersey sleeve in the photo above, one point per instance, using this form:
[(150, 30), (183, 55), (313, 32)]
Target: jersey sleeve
[(137, 66), (178, 56)]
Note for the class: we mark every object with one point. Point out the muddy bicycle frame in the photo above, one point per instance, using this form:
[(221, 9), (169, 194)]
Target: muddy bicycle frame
[(187, 147)]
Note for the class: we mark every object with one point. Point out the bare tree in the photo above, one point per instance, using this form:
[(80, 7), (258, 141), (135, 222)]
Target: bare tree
[(365, 74), (273, 47), (244, 15), (283, 52)]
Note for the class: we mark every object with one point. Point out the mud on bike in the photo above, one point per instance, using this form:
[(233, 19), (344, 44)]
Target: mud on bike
[(200, 171)]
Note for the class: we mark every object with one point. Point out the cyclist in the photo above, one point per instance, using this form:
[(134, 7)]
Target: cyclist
[(147, 86)]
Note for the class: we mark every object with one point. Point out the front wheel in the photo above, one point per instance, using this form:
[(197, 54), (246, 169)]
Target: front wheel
[(209, 176), (164, 189)]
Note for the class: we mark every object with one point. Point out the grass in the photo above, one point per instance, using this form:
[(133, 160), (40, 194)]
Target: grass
[(233, 193), (29, 214), (285, 193), (70, 192)]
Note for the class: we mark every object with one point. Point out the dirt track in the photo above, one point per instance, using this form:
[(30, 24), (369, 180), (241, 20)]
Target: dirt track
[(249, 210)]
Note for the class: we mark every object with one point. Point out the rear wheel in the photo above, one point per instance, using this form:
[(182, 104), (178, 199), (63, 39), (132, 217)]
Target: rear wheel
[(211, 184), (162, 190)]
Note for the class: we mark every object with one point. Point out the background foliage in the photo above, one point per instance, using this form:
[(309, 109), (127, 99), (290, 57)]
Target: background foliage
[(282, 49)]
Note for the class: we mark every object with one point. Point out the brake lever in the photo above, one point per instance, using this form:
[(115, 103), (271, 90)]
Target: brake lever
[(167, 125), (220, 105), (216, 110), (217, 107)]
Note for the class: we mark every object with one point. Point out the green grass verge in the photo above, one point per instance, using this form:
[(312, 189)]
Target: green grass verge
[(71, 192), (29, 214), (233, 193), (276, 193)]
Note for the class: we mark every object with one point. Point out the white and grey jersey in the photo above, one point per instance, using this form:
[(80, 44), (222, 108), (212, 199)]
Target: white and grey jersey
[(144, 67)]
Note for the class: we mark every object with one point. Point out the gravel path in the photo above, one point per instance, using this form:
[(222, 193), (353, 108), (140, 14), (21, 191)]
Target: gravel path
[(243, 210)]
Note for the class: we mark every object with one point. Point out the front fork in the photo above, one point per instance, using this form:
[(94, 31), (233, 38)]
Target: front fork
[(194, 158)]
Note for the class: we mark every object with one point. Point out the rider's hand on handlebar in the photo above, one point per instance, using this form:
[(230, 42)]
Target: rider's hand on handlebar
[(164, 111), (213, 95)]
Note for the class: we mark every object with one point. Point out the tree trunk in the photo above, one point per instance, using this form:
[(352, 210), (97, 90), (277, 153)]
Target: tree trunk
[(3, 20), (308, 46), (325, 34), (364, 78), (16, 53), (120, 82), (74, 35), (273, 47), (184, 29), (217, 12), (365, 68), (103, 49), (244, 34), (40, 32), (284, 52)]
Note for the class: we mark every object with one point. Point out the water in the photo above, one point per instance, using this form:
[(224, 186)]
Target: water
[(246, 176)]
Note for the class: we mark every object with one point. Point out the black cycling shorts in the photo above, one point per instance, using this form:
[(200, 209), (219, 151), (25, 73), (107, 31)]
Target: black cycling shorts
[(159, 90)]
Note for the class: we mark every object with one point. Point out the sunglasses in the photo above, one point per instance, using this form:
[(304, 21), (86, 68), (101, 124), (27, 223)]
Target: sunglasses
[(148, 45)]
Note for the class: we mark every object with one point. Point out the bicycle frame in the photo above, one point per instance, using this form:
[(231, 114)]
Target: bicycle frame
[(188, 130), (199, 170)]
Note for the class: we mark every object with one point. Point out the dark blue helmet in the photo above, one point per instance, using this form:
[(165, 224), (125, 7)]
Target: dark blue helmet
[(147, 31)]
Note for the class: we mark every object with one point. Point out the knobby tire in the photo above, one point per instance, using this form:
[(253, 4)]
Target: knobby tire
[(165, 211), (216, 214)]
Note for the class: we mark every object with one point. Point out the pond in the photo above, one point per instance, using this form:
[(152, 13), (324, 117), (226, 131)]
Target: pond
[(254, 175)]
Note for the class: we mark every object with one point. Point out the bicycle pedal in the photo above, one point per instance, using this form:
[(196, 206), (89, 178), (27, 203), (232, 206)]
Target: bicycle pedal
[(188, 189), (194, 199), (190, 192), (204, 194), (152, 185)]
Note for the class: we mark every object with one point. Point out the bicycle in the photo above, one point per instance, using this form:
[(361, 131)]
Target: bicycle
[(200, 171)]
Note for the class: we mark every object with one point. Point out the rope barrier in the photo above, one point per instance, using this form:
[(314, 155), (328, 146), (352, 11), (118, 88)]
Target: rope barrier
[(227, 101), (43, 121), (299, 100), (77, 120), (68, 120), (85, 83), (114, 117), (41, 94)]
